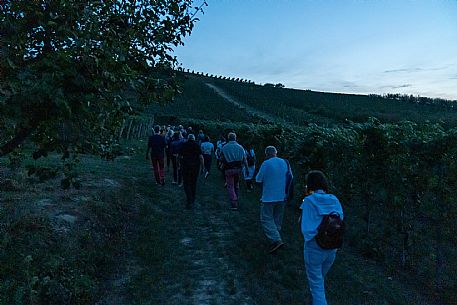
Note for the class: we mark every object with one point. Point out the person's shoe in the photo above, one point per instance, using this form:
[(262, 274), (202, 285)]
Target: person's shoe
[(206, 175), (275, 246), (162, 183), (234, 208), (174, 182), (180, 185)]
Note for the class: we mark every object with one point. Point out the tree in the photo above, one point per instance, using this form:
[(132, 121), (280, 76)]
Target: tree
[(72, 70)]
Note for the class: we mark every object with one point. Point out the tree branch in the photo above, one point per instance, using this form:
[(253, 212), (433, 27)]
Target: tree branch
[(18, 139)]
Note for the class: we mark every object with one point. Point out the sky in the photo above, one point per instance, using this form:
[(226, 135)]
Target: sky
[(347, 46)]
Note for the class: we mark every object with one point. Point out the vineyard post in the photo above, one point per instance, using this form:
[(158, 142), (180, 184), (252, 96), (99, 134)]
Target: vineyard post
[(129, 129), (122, 129)]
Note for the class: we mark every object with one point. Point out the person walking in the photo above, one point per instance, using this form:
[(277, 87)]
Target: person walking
[(200, 137), (168, 140), (220, 143), (192, 160), (175, 151), (233, 158), (155, 152), (208, 151), (249, 173), (315, 206), (272, 176)]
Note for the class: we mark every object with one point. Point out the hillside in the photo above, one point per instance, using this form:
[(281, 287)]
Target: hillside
[(299, 106), (121, 239)]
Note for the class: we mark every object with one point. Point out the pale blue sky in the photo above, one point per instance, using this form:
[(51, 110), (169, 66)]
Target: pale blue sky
[(351, 46)]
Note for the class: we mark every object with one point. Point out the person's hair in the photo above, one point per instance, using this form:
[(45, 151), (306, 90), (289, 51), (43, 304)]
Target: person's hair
[(191, 137), (270, 151), (157, 129), (177, 135), (316, 180), (206, 139), (231, 136)]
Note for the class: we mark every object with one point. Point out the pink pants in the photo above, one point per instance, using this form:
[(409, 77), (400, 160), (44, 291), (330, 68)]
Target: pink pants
[(158, 168), (232, 177)]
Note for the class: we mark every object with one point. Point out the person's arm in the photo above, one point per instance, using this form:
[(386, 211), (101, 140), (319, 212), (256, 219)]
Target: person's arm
[(164, 145), (202, 162), (245, 163), (259, 177), (222, 157)]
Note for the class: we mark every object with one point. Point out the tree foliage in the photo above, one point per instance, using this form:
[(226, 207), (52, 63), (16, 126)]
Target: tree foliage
[(71, 70)]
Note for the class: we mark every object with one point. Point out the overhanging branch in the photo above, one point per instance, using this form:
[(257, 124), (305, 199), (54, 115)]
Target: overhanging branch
[(18, 139)]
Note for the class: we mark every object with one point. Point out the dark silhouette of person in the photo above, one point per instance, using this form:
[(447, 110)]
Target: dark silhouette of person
[(192, 161)]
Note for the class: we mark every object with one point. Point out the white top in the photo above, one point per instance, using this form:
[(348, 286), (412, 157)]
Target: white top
[(272, 174), (207, 148)]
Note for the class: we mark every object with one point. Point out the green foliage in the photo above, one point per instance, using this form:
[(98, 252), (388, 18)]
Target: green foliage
[(72, 70), (302, 107), (197, 101), (396, 181), (45, 262)]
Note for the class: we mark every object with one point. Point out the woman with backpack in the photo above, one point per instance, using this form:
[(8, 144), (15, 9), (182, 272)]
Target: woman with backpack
[(322, 228)]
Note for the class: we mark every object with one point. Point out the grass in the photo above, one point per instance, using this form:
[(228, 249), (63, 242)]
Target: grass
[(133, 243), (198, 101), (248, 273), (48, 259), (304, 106)]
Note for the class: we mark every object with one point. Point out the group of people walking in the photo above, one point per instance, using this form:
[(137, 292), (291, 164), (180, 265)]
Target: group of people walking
[(322, 214)]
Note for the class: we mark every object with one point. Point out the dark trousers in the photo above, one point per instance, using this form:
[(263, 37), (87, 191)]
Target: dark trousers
[(190, 175), (207, 161), (177, 170), (249, 184), (169, 158)]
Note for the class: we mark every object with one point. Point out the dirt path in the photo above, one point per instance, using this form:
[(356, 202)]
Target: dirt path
[(251, 110), (213, 256), (184, 254)]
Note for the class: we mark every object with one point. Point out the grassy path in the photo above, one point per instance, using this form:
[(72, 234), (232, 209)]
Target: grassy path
[(195, 265), (211, 255), (240, 105), (122, 240)]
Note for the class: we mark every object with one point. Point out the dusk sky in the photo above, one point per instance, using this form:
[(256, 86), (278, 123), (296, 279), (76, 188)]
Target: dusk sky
[(378, 46)]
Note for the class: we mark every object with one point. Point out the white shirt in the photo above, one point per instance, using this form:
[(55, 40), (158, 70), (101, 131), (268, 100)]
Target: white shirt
[(272, 174)]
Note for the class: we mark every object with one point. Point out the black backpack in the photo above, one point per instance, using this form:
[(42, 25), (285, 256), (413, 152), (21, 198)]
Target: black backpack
[(330, 232), (289, 183)]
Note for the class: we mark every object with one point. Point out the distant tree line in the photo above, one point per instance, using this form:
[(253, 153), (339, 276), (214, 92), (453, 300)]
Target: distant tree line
[(417, 99)]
